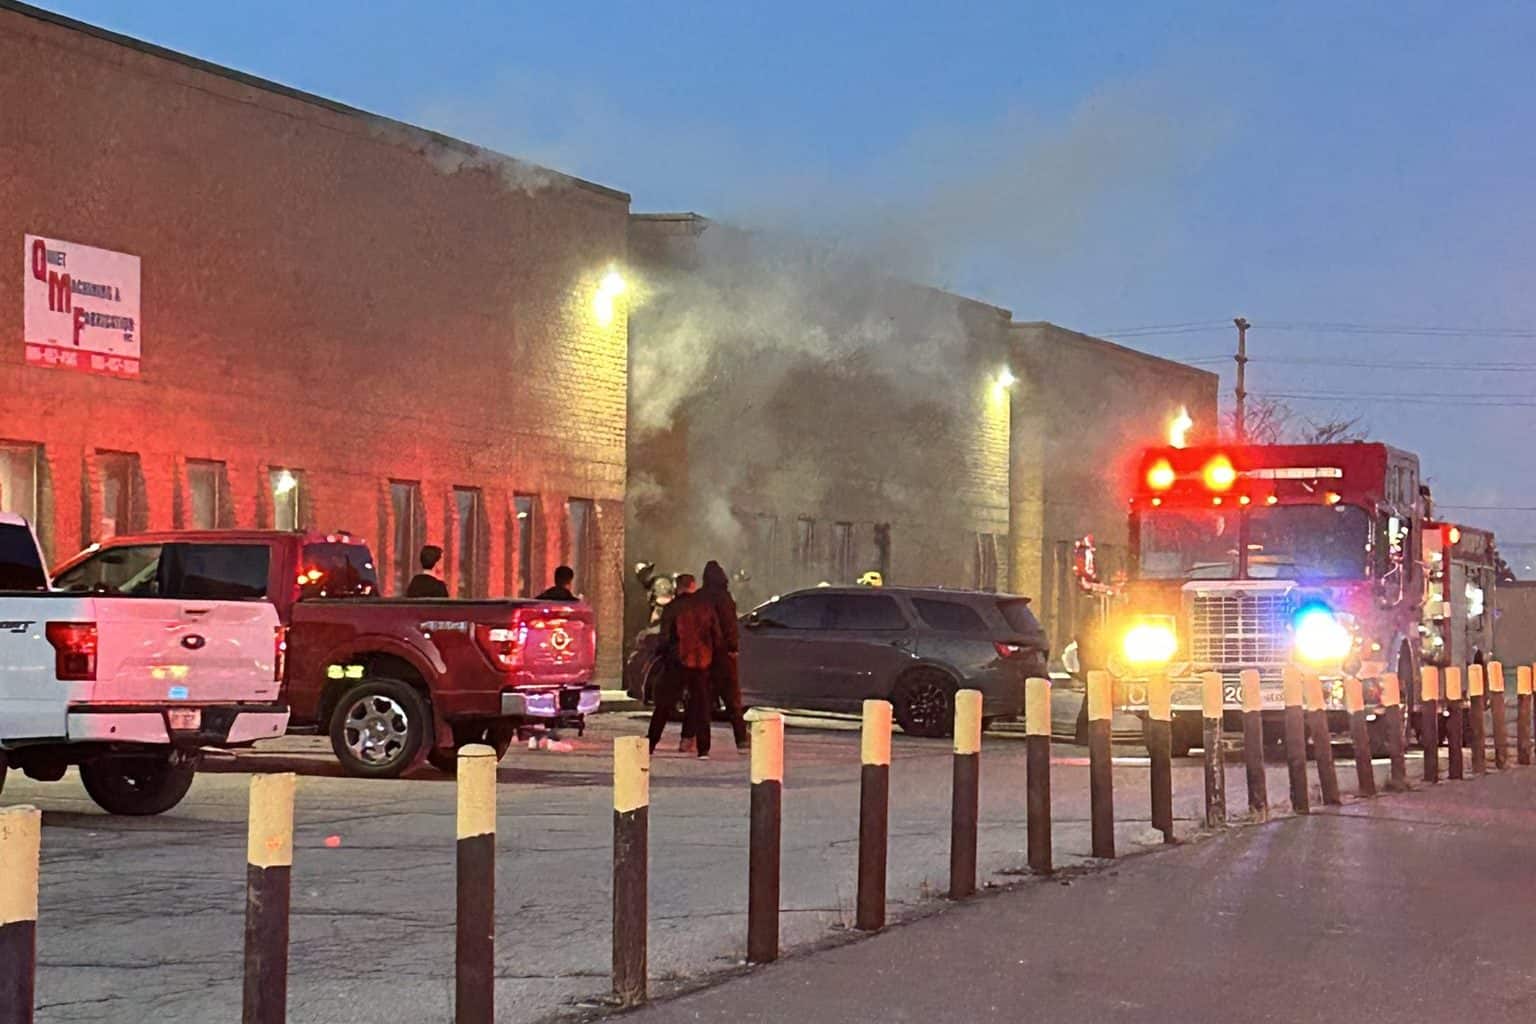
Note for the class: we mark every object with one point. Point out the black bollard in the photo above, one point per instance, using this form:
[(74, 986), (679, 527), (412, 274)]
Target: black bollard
[(874, 815), (1322, 739), (1359, 736), (965, 795), (21, 832), (1496, 711), (268, 877), (1215, 768), (764, 844), (474, 982), (1476, 697), (1429, 721), (631, 866), (1296, 741), (1160, 751), (1253, 744), (1101, 772), (1037, 780), (1453, 723), (1523, 702), (1392, 719)]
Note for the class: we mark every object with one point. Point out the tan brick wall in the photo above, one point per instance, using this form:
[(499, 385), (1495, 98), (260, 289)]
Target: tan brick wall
[(1085, 407), (322, 290)]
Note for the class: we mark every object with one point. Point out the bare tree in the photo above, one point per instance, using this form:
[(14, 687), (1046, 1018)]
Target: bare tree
[(1339, 430), (1267, 421), (1271, 421)]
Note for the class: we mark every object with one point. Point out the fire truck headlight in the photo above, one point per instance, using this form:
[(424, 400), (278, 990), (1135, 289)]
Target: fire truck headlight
[(1151, 641), (1320, 637)]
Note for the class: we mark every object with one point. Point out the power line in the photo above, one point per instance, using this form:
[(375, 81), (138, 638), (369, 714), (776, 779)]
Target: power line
[(1488, 508), (1511, 401)]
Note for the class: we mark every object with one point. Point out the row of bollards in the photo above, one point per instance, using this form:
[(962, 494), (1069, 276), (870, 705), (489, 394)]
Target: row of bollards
[(269, 847)]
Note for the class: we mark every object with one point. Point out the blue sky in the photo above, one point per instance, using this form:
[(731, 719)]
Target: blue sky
[(1102, 166)]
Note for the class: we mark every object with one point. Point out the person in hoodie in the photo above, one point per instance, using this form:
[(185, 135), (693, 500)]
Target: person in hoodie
[(725, 678), (690, 636)]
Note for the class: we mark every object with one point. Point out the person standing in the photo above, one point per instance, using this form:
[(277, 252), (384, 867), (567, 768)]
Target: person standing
[(426, 583), (561, 591), (690, 635), (725, 678)]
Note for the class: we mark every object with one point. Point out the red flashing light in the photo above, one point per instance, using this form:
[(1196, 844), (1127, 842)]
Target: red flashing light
[(1160, 476), (1219, 474), (74, 650), (1455, 535)]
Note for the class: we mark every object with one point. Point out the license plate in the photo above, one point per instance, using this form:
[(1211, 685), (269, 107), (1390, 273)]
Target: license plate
[(185, 719)]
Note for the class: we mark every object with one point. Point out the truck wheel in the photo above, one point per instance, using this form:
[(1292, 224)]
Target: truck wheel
[(138, 785), (924, 703), (379, 727)]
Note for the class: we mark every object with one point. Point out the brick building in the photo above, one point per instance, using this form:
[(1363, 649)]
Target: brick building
[(804, 418), (300, 315)]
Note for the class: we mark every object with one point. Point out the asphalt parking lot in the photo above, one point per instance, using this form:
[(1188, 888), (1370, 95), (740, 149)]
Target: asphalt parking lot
[(142, 919)]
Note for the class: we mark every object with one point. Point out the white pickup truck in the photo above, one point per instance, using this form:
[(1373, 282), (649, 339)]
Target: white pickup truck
[(128, 688)]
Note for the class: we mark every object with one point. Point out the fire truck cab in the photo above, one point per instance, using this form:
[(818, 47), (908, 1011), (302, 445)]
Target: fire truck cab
[(1261, 556)]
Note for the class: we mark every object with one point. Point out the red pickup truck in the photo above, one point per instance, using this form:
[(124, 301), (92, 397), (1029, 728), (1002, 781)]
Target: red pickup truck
[(390, 680)]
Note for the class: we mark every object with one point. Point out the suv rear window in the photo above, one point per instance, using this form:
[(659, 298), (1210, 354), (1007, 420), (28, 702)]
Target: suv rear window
[(860, 612), (20, 568), (337, 570), (1020, 619), (950, 616)]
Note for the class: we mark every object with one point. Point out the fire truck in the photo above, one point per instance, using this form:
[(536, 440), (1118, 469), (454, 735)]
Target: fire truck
[(1262, 556)]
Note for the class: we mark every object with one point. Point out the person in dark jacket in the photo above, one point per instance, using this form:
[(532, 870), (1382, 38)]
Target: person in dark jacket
[(561, 591), (725, 678), (425, 583), (690, 635)]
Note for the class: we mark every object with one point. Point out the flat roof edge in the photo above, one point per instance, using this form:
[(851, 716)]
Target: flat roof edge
[(277, 88)]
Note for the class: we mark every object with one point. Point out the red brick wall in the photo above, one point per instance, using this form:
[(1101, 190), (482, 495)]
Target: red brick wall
[(321, 290)]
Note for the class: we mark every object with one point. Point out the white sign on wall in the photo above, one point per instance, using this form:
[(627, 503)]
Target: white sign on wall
[(80, 307)]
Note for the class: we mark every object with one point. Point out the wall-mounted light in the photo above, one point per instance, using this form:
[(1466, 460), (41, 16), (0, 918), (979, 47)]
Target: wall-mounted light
[(1179, 427), (609, 288), (1006, 379)]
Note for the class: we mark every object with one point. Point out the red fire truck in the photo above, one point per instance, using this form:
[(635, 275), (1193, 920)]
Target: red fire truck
[(1260, 556)]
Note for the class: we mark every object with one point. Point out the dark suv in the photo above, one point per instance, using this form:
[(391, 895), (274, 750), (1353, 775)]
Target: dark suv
[(831, 648)]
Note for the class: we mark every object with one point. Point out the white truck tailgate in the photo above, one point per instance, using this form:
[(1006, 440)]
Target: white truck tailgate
[(200, 652)]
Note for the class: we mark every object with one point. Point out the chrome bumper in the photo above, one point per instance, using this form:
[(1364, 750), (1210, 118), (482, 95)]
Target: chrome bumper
[(532, 703), (150, 727)]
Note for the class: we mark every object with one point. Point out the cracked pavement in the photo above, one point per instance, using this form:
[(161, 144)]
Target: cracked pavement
[(142, 919)]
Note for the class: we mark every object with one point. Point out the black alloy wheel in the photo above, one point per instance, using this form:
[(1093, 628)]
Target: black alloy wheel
[(924, 703)]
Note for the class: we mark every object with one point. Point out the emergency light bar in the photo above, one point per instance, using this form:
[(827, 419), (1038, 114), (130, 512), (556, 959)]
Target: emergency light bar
[(1297, 473)]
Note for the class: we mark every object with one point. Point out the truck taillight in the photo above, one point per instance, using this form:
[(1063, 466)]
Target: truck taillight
[(1006, 650), (280, 654), (74, 650), (503, 644)]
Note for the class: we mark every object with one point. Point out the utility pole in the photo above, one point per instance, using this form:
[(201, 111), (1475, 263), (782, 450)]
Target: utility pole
[(1242, 378)]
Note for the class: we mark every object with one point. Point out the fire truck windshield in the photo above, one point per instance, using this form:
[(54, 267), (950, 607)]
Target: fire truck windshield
[(1288, 542)]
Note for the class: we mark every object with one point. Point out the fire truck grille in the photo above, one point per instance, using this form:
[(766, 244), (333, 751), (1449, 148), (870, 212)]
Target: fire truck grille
[(1240, 629)]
